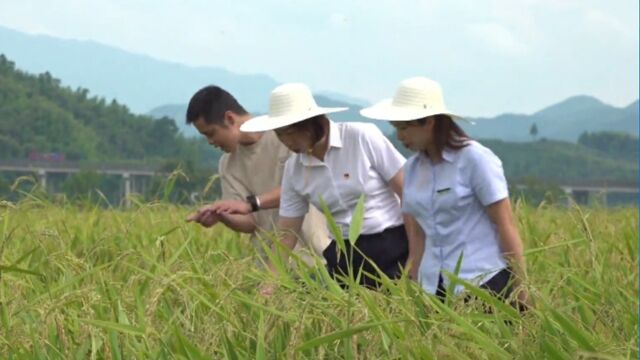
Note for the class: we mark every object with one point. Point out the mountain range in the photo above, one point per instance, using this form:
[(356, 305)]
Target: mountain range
[(139, 81), (178, 111), (39, 116), (161, 88), (565, 120)]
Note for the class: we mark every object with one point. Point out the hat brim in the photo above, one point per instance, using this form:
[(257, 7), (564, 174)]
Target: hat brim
[(266, 122), (385, 110)]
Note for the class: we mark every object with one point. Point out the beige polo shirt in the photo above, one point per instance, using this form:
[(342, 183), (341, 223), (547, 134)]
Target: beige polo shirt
[(257, 169)]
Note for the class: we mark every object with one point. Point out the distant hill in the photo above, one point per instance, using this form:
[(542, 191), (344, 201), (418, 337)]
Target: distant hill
[(353, 114), (560, 162), (562, 121), (37, 114), (344, 98), (139, 81), (147, 85), (177, 112)]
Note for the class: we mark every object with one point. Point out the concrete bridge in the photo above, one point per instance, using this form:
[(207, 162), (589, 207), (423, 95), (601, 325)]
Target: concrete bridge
[(135, 177), (582, 192)]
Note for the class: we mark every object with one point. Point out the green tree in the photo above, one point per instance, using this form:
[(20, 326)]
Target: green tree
[(615, 145), (533, 131)]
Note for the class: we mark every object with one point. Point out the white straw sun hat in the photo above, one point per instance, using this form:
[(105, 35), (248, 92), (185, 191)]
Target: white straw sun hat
[(288, 104), (415, 98)]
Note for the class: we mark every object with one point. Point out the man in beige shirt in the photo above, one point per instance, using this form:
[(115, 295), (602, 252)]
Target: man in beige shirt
[(250, 170)]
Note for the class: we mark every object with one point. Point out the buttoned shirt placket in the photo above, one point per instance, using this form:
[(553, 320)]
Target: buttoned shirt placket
[(315, 162)]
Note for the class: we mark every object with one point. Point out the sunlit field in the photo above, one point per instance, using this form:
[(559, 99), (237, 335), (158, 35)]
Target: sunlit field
[(82, 282)]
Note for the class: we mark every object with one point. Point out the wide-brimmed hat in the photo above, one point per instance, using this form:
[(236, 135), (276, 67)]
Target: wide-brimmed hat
[(415, 98), (288, 104)]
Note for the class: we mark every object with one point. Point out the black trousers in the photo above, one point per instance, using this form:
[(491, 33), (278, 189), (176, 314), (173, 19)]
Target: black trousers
[(500, 285), (388, 250)]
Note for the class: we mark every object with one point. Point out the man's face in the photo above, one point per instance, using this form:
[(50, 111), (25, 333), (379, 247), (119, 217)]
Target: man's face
[(224, 137)]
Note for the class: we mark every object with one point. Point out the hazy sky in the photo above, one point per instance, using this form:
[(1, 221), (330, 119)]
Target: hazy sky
[(491, 56)]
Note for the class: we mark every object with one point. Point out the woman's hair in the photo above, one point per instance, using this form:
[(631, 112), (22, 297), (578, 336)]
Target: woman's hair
[(446, 133), (312, 126)]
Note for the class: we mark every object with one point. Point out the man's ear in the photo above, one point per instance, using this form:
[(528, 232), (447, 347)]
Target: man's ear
[(229, 118)]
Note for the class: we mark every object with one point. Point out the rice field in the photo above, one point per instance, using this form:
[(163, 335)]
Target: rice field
[(82, 282)]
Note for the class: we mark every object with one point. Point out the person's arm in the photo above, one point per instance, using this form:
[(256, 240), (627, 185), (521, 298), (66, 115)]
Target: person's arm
[(397, 182), (207, 217), (417, 239), (489, 184), (239, 222), (415, 234), (268, 200), (511, 245), (288, 233), (232, 190)]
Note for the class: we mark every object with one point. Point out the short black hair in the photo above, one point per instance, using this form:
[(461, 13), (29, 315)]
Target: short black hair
[(210, 103)]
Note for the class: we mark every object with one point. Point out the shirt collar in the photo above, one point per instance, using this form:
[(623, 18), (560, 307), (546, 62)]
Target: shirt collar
[(452, 155), (335, 140), (449, 155), (335, 135)]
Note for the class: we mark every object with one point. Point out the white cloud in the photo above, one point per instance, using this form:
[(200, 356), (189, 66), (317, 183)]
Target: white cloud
[(498, 37), (606, 21)]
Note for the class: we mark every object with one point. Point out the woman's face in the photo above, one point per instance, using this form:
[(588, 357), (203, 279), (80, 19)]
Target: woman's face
[(414, 135), (296, 140)]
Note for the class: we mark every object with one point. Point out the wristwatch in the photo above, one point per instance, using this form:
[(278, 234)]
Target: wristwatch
[(254, 202)]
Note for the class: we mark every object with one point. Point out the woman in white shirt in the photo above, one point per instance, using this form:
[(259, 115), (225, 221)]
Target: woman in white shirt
[(456, 190), (337, 163)]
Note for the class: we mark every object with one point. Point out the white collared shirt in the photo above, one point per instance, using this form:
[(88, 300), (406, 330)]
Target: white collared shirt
[(359, 159), (448, 200)]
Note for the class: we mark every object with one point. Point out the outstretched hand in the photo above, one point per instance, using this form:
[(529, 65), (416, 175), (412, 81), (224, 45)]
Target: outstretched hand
[(230, 207), (205, 217), (210, 215)]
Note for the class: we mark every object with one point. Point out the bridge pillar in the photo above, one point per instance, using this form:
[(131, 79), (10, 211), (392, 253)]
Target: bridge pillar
[(569, 193), (127, 188), (42, 178)]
